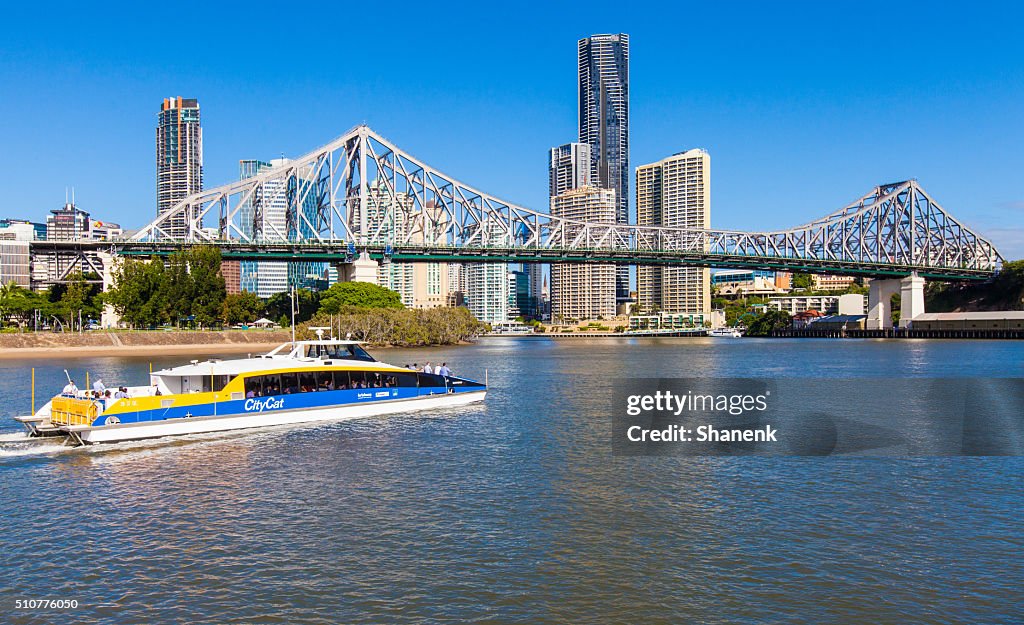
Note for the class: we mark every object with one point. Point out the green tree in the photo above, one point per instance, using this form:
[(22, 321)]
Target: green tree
[(802, 281), (19, 304), (137, 293), (177, 288), (74, 299), (279, 306), (242, 307), (769, 322), (207, 284), (400, 326), (7, 294), (358, 295)]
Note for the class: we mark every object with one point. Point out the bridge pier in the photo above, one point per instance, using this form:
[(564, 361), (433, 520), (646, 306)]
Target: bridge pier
[(362, 269), (880, 292), (911, 299), (109, 318)]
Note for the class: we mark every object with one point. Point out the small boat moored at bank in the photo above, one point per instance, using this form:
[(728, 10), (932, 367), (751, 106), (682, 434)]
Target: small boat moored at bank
[(731, 333)]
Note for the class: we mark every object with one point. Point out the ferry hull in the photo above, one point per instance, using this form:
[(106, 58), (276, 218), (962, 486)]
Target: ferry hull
[(198, 425)]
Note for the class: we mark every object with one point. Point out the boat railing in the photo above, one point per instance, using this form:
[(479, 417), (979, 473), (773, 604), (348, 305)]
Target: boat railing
[(73, 411)]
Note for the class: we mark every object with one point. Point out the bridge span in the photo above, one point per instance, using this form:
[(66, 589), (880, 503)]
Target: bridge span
[(360, 198)]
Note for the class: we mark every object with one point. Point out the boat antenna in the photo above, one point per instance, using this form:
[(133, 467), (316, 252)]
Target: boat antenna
[(69, 376)]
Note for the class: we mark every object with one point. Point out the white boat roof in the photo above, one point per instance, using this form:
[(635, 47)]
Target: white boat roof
[(271, 361)]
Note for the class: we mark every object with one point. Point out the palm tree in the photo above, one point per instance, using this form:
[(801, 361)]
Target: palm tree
[(7, 294)]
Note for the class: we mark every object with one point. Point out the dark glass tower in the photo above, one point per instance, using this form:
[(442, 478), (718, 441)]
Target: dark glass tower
[(604, 123)]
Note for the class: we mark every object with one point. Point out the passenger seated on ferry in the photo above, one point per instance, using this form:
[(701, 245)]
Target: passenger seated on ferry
[(122, 393), (250, 394)]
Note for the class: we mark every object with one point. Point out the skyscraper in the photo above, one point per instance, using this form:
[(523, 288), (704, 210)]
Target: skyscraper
[(179, 158), (676, 193), (583, 291), (604, 123), (569, 167), (263, 217)]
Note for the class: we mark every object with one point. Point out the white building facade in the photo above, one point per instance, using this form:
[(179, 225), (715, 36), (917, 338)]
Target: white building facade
[(583, 291), (675, 193)]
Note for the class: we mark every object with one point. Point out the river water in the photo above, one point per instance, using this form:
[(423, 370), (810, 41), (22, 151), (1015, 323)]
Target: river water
[(517, 510)]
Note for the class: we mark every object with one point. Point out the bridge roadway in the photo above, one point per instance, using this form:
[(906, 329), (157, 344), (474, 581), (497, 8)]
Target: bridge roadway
[(341, 252)]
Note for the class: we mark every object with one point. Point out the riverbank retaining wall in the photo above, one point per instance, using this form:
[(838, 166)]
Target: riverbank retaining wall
[(142, 339)]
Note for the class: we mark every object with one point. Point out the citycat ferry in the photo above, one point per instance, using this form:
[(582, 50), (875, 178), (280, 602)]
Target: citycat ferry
[(305, 381)]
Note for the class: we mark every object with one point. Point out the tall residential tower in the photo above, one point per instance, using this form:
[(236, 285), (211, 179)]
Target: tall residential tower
[(179, 157), (583, 291), (604, 123), (675, 193), (569, 167)]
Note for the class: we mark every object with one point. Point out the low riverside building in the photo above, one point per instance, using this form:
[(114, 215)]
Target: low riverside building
[(849, 304), (992, 320), (831, 283), (805, 318), (840, 322), (755, 287), (668, 321)]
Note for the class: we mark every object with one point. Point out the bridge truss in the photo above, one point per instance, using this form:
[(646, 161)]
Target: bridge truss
[(362, 192)]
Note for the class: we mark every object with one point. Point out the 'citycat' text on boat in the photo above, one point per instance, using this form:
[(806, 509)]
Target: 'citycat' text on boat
[(320, 380)]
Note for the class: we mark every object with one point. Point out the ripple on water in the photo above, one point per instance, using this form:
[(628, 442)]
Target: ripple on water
[(516, 511)]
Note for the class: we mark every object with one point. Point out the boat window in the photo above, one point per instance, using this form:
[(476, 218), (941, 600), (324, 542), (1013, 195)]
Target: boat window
[(340, 352), (325, 381), (431, 380), (358, 379), (220, 381), (404, 380), (289, 383), (341, 380), (272, 384), (307, 382), (254, 386), (358, 353)]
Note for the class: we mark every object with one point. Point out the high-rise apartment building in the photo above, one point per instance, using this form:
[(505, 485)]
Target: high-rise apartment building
[(390, 218), (675, 193), (583, 291), (604, 123), (179, 158), (487, 295), (569, 167)]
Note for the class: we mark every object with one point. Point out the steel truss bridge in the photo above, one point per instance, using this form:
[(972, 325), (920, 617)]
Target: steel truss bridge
[(362, 193)]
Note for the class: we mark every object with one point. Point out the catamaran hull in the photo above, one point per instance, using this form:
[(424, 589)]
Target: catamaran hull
[(199, 425)]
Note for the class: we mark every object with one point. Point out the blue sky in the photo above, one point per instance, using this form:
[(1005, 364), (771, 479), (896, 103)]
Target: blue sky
[(803, 106)]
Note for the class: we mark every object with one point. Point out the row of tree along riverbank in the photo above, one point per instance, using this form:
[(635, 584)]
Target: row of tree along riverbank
[(190, 288)]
